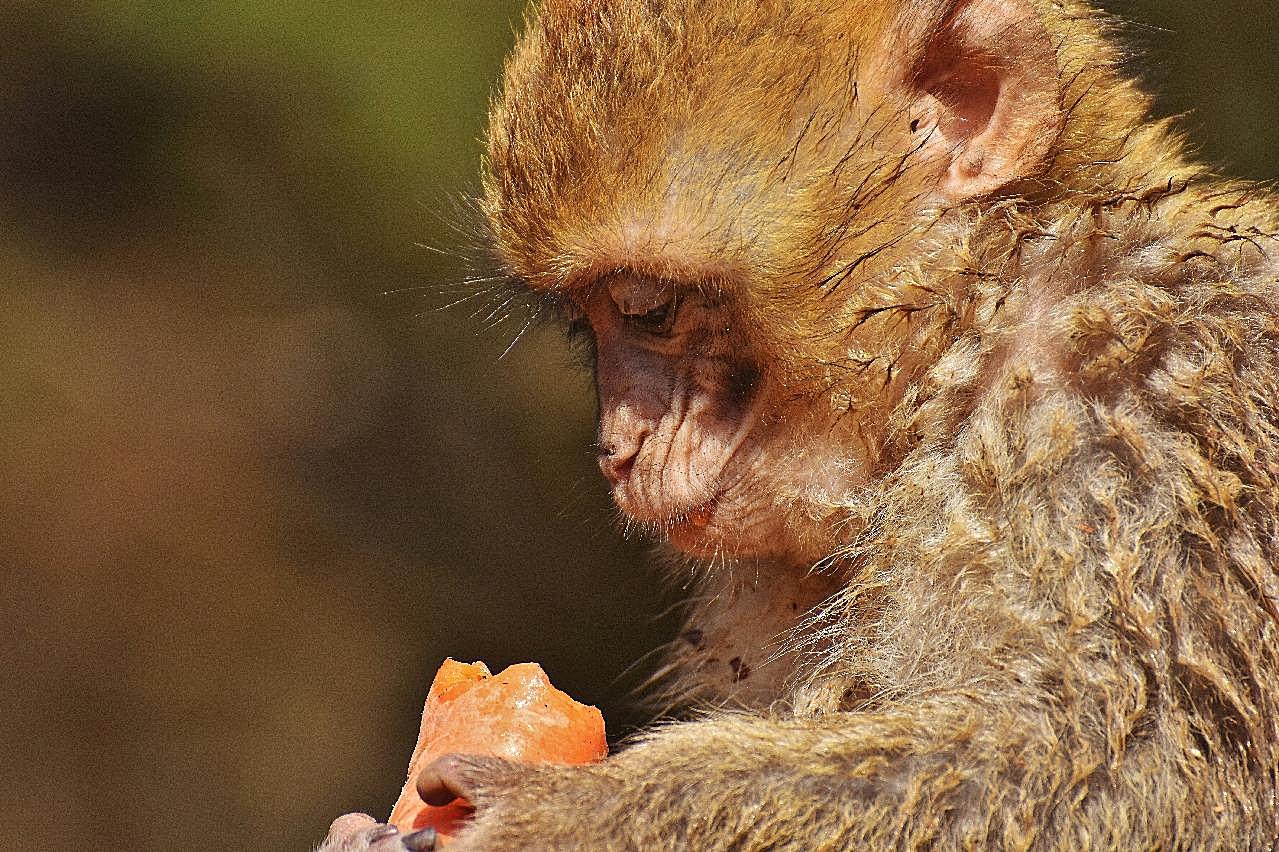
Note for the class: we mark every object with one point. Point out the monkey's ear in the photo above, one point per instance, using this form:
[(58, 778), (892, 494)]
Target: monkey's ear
[(985, 92)]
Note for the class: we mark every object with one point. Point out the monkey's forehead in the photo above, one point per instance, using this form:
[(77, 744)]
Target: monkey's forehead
[(673, 136)]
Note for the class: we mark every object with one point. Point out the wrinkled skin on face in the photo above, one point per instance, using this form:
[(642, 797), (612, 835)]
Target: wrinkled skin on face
[(699, 445)]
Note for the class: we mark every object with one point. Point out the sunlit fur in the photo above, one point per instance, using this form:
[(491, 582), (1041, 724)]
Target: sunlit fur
[(1057, 622)]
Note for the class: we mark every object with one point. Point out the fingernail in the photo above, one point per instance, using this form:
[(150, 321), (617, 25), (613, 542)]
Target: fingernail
[(421, 841)]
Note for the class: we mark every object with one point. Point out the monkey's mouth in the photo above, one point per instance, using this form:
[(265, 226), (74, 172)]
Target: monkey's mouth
[(685, 496), (673, 509), (700, 517), (688, 491), (690, 530), (723, 522), (664, 515)]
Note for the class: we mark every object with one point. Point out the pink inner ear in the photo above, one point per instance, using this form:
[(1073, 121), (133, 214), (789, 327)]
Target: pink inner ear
[(969, 96), (966, 84)]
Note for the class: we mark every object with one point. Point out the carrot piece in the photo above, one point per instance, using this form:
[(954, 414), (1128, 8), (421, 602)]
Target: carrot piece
[(453, 674), (515, 714)]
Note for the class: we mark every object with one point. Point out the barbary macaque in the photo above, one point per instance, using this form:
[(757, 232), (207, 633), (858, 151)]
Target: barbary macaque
[(956, 382)]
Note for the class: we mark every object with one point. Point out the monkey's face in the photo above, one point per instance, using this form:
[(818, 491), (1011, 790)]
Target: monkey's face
[(699, 444), (741, 204)]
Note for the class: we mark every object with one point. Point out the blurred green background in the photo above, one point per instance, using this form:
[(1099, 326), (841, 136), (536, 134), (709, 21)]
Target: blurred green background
[(255, 482)]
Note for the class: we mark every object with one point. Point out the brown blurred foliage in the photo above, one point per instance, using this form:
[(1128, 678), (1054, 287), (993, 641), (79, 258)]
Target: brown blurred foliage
[(248, 498)]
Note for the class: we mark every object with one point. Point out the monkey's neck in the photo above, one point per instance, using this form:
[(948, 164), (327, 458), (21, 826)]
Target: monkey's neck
[(746, 637)]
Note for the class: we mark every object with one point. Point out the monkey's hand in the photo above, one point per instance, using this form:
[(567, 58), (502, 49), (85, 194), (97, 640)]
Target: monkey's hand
[(690, 786), (527, 807), (948, 771), (734, 782)]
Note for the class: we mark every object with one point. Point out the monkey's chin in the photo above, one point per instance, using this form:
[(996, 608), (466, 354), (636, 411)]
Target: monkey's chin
[(697, 544), (691, 532), (714, 532)]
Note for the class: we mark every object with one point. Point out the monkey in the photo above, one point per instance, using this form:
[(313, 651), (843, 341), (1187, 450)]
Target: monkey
[(952, 379)]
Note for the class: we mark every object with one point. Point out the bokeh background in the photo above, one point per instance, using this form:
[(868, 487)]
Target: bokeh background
[(256, 479)]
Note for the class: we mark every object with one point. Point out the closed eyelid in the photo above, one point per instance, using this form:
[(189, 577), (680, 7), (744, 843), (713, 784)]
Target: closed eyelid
[(636, 296)]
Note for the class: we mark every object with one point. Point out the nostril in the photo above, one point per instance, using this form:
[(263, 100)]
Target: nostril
[(620, 470), (617, 461)]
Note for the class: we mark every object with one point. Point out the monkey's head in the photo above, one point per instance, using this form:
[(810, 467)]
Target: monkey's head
[(753, 209)]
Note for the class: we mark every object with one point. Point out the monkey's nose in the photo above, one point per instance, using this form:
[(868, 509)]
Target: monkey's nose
[(617, 457)]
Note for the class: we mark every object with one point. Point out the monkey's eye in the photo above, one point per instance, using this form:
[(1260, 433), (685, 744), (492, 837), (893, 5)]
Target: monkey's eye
[(656, 320), (649, 306)]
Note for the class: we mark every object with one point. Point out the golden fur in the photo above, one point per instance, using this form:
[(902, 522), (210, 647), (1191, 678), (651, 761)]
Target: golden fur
[(1055, 624)]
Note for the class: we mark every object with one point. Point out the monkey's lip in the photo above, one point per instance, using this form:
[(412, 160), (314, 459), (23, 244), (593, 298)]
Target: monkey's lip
[(701, 516), (697, 515), (690, 530)]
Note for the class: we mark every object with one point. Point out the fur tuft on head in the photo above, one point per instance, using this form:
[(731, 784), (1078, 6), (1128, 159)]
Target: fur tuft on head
[(716, 142)]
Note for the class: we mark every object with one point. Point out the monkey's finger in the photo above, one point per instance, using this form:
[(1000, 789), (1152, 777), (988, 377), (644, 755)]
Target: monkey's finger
[(454, 776), (421, 841), (361, 833)]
